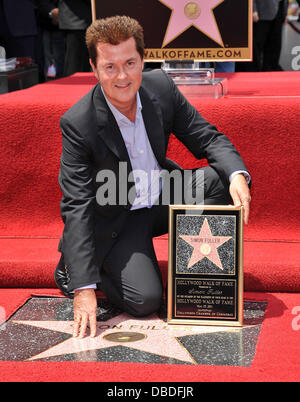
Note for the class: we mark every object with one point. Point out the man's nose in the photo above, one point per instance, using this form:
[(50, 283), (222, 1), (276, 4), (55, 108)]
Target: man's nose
[(122, 73)]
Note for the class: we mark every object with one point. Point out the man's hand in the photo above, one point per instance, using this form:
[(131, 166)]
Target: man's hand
[(255, 16), (240, 194), (54, 16), (85, 308)]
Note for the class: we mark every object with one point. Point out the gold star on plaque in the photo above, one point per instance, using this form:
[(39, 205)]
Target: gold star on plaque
[(205, 245)]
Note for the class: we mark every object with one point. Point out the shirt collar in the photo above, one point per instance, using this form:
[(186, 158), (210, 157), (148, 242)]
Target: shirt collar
[(120, 118)]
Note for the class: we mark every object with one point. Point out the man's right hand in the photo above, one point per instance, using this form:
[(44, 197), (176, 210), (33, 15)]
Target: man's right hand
[(54, 16), (85, 308), (255, 16)]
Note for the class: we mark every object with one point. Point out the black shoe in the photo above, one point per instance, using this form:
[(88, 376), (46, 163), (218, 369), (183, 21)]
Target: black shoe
[(106, 310), (61, 277)]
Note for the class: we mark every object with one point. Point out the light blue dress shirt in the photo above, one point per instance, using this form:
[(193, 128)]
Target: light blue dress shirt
[(145, 168)]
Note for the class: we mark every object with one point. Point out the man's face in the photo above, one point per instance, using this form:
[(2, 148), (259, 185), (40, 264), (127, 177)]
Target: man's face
[(119, 70)]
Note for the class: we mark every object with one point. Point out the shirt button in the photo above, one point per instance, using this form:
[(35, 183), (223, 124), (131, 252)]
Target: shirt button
[(114, 235), (141, 151)]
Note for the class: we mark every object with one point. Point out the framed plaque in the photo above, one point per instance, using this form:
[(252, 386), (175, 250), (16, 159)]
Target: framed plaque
[(205, 280), (199, 30)]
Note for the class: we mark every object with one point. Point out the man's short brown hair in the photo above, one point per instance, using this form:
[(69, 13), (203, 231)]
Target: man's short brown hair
[(114, 30)]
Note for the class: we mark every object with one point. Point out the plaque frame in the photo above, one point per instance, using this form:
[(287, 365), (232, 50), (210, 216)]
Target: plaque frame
[(216, 281)]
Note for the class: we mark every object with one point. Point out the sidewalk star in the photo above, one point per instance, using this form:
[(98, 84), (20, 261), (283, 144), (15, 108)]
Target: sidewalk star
[(150, 334)]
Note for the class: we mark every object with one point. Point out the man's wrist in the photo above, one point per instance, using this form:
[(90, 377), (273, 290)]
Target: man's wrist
[(91, 286), (243, 172)]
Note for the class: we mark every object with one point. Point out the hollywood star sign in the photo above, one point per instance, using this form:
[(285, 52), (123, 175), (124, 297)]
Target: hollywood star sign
[(210, 30)]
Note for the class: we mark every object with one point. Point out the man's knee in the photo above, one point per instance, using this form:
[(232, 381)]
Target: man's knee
[(144, 304)]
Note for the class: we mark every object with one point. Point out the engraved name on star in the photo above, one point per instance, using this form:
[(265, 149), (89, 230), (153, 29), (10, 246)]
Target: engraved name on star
[(197, 13), (205, 245)]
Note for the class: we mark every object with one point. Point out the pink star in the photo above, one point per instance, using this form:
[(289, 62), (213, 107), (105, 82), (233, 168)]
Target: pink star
[(205, 245), (160, 338), (197, 13)]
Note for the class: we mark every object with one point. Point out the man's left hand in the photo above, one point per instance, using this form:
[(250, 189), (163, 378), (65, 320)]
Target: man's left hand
[(240, 194)]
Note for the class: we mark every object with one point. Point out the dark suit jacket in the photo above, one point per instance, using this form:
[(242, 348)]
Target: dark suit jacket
[(92, 142), (20, 17)]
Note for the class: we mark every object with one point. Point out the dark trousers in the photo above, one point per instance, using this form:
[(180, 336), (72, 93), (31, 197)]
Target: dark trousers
[(267, 42), (131, 278), (76, 53), (54, 51)]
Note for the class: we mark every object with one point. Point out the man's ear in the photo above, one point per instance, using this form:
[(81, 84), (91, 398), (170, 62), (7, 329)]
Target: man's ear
[(94, 69)]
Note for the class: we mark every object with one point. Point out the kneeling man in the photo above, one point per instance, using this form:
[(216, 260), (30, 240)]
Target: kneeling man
[(114, 151)]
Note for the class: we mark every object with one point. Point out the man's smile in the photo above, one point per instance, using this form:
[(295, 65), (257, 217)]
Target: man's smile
[(122, 86)]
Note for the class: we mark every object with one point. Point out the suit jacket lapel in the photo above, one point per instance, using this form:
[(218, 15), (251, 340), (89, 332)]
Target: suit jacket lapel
[(110, 132), (108, 129), (153, 121)]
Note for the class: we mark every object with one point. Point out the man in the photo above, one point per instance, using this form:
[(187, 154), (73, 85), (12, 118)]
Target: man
[(121, 128), (268, 18), (51, 41), (74, 17)]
